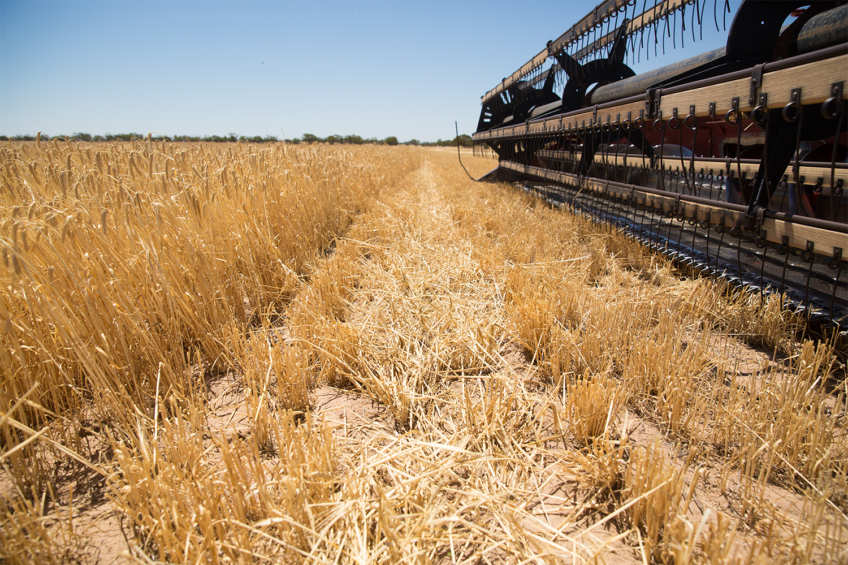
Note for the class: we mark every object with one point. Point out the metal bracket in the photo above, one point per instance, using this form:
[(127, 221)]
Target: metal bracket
[(760, 113), (734, 109), (756, 82), (830, 107), (836, 259), (808, 251), (657, 98), (794, 105), (649, 102), (712, 110)]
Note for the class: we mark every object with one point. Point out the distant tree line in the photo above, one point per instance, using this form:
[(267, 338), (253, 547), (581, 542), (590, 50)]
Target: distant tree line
[(130, 136), (464, 140)]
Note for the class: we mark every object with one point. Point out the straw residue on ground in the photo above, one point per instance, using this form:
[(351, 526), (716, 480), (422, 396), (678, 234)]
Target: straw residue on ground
[(450, 372)]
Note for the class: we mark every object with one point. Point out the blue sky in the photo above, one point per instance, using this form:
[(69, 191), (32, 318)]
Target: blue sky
[(375, 69)]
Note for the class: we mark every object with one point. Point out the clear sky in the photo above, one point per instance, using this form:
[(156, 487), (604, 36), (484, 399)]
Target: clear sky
[(374, 69)]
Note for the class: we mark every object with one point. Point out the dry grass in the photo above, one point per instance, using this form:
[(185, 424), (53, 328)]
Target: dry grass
[(511, 382)]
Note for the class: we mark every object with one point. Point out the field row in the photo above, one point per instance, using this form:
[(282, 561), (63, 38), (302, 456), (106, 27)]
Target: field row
[(251, 353)]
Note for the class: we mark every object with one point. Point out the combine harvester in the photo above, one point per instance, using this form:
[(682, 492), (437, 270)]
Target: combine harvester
[(733, 161)]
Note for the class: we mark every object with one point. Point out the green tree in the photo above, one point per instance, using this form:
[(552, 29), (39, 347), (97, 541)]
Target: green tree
[(464, 140), (391, 140)]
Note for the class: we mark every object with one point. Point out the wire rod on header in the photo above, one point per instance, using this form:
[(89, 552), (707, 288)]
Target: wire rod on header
[(459, 155)]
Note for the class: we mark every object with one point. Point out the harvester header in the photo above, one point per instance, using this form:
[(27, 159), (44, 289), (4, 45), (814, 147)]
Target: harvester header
[(733, 160)]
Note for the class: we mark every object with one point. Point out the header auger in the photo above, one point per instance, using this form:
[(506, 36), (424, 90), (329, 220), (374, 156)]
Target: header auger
[(733, 161)]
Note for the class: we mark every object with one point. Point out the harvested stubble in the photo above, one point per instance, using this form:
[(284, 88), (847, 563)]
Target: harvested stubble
[(549, 391), (130, 270)]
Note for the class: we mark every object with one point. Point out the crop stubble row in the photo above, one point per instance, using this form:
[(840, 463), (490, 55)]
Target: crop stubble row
[(517, 352)]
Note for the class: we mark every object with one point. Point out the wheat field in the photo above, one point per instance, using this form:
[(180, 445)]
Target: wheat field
[(245, 353)]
